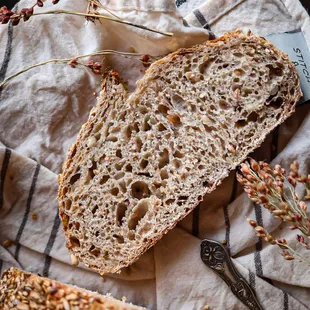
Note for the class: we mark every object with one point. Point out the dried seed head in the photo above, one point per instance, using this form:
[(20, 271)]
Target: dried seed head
[(245, 169), (269, 239), (261, 187), (300, 239), (278, 212), (40, 3), (289, 257), (303, 206), (15, 21), (282, 240), (292, 180), (252, 223), (7, 243), (289, 218), (302, 179), (293, 227), (294, 166), (254, 165), (260, 229)]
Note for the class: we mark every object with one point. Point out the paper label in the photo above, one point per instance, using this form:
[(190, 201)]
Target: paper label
[(294, 44)]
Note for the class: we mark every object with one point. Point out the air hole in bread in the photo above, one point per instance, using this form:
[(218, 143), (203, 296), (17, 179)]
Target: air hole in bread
[(161, 127), (246, 92), (146, 126), (170, 201), (136, 127), (223, 105), (163, 109), (121, 209), (120, 239), (122, 186), (143, 163), (276, 103), (164, 158), (178, 101), (112, 138), (253, 117), (174, 119), (94, 251), (204, 67), (104, 179), (91, 169), (114, 191), (140, 190), (68, 204), (74, 178), (128, 168), (177, 163), (131, 235), (275, 71), (241, 123), (164, 174), (118, 153), (127, 133), (119, 175), (178, 154), (138, 212), (74, 242), (95, 209), (138, 142), (118, 166)]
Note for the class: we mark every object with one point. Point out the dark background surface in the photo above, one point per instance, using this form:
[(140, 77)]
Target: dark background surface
[(10, 3)]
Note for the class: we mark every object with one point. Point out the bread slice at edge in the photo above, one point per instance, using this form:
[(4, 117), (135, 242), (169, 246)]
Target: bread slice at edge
[(23, 290)]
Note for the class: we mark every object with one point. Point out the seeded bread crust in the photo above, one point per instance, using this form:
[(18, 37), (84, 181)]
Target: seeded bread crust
[(25, 291), (141, 164)]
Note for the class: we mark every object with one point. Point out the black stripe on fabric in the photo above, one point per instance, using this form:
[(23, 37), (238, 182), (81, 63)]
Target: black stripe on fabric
[(8, 51), (185, 23), (179, 2), (195, 225), (226, 213), (4, 169), (50, 244), (27, 210), (252, 279), (201, 19), (227, 226), (285, 301), (259, 243), (47, 265), (1, 263), (274, 143)]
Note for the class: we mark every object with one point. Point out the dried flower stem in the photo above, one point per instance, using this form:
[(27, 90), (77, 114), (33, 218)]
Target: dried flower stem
[(100, 16), (95, 3), (275, 192), (68, 60), (261, 232)]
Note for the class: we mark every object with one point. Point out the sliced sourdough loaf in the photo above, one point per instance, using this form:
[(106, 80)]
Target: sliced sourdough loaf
[(141, 164), (22, 290)]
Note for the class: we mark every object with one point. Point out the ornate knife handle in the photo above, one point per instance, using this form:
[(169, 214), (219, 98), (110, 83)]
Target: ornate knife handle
[(215, 256)]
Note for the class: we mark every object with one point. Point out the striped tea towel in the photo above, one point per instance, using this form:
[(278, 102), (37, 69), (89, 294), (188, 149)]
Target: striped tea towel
[(40, 115)]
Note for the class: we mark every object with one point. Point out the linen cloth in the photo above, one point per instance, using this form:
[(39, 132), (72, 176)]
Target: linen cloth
[(42, 111)]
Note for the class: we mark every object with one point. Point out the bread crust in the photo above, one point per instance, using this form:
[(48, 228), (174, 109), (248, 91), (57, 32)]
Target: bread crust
[(25, 291), (141, 86)]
